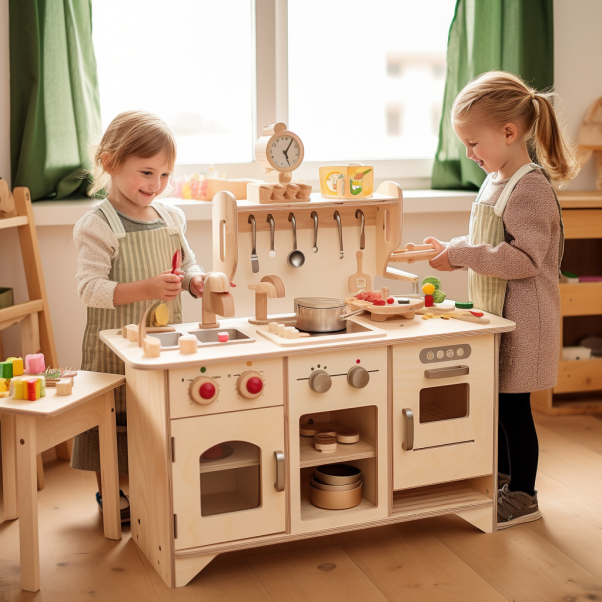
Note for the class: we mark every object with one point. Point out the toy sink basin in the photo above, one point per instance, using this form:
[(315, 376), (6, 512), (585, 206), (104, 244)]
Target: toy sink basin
[(353, 181), (206, 338)]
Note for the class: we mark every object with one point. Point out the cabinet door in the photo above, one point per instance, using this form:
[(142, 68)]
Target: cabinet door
[(443, 412), (225, 474)]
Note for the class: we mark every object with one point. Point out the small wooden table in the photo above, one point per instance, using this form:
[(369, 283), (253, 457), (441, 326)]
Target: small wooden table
[(31, 427)]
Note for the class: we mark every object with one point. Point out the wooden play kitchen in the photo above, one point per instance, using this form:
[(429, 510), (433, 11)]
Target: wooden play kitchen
[(281, 438)]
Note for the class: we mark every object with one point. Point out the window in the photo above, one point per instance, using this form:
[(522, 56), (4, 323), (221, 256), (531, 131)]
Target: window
[(361, 82), (366, 80), (189, 61)]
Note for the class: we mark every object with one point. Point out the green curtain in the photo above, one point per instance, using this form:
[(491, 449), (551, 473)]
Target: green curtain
[(511, 35), (55, 107)]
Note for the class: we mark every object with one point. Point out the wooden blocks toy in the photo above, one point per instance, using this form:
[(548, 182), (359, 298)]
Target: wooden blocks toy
[(28, 389), (267, 192), (6, 370), (64, 386), (151, 346), (34, 363), (188, 343), (17, 363), (131, 333)]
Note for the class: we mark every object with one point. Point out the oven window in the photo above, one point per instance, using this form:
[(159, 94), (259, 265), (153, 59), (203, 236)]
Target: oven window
[(230, 478), (444, 403)]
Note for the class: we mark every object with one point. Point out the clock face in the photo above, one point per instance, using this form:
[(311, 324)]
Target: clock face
[(285, 152)]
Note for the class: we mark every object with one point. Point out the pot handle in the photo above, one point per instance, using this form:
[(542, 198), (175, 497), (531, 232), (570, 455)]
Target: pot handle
[(352, 313)]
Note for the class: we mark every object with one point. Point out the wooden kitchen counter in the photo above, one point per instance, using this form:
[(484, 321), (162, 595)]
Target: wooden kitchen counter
[(396, 332)]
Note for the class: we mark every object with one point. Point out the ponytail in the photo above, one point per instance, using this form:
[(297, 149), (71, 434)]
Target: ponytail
[(504, 98), (553, 152)]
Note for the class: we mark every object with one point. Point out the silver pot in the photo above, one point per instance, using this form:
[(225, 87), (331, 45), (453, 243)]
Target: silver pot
[(320, 314)]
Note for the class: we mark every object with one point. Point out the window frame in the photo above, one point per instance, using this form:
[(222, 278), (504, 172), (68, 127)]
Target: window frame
[(270, 105)]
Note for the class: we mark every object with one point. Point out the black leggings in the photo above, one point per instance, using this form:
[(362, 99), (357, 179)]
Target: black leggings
[(518, 449)]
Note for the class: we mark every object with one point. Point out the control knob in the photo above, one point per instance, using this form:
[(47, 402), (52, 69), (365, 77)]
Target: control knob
[(320, 381), (203, 390), (358, 377), (250, 384)]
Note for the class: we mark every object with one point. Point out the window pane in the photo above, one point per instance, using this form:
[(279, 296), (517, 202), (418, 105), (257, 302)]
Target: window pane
[(366, 79), (188, 61)]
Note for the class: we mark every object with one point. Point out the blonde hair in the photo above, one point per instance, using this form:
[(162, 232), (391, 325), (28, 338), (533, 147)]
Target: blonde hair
[(131, 133), (505, 98)]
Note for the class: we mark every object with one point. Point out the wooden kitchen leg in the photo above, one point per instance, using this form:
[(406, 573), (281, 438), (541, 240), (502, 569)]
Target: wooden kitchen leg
[(109, 472), (9, 467), (28, 502), (481, 518), (39, 472), (188, 568)]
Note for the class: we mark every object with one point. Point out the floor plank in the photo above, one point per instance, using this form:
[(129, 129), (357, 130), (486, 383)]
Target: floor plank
[(314, 575), (521, 566), (409, 564), (584, 430)]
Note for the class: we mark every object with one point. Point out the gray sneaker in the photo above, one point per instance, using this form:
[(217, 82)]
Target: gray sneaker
[(515, 507), (502, 479)]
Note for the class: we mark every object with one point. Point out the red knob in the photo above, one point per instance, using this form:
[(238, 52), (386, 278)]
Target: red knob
[(254, 385), (207, 390)]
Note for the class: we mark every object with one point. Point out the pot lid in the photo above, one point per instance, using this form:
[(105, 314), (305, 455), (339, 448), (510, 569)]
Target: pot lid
[(319, 302)]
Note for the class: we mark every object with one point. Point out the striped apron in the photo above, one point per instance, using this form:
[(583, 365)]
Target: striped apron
[(142, 255), (488, 293)]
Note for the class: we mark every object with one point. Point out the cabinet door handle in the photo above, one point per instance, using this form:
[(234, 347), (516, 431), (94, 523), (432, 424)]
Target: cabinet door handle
[(447, 372), (279, 484), (408, 430)]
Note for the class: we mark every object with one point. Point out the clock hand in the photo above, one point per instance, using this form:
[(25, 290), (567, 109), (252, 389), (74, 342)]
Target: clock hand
[(286, 151), (286, 155)]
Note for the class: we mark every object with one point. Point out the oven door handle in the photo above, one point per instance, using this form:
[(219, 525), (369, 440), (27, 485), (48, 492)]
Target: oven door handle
[(447, 372), (408, 430), (279, 484)]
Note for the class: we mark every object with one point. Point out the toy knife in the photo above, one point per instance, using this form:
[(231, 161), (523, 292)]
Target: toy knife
[(176, 262)]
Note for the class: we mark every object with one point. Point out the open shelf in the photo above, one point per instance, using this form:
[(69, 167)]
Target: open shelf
[(581, 299), (245, 454), (311, 512), (310, 456), (225, 503), (435, 500), (577, 376)]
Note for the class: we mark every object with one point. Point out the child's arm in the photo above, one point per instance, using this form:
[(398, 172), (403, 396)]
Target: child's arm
[(165, 287), (529, 219)]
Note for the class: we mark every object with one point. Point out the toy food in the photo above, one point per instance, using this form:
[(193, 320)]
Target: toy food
[(464, 304), (428, 288), (34, 363)]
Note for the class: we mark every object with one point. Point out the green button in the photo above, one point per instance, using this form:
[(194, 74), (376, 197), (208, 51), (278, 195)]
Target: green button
[(203, 370)]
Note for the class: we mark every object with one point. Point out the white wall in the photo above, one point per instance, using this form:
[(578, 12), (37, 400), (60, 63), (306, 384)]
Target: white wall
[(578, 51), (578, 68)]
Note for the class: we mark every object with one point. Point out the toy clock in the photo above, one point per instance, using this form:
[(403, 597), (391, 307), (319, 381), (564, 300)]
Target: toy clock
[(280, 152)]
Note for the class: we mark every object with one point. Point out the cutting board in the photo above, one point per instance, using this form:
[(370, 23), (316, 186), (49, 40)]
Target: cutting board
[(380, 313), (359, 280)]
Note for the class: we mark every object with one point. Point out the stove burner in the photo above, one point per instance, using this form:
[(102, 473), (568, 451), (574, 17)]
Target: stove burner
[(351, 327)]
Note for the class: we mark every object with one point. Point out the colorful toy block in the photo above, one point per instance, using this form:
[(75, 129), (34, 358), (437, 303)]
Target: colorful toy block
[(29, 388), (34, 363), (6, 369), (64, 386), (17, 363)]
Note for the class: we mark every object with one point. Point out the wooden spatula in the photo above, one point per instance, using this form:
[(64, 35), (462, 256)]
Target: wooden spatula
[(359, 280)]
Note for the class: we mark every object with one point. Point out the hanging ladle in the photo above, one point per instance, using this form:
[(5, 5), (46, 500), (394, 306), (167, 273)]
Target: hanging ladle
[(295, 258), (314, 216)]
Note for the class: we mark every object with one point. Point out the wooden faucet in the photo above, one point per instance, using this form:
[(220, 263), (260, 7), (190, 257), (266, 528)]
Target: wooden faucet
[(217, 299)]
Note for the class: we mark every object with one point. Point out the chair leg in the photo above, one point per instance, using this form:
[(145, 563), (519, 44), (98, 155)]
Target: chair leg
[(40, 472)]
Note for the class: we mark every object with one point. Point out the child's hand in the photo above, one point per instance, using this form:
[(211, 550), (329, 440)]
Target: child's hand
[(197, 284), (437, 244), (165, 286)]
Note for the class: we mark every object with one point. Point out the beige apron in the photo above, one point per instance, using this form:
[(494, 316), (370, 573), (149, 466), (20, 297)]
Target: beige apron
[(142, 255), (487, 227)]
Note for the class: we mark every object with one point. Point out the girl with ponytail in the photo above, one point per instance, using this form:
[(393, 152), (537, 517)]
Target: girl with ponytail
[(513, 253)]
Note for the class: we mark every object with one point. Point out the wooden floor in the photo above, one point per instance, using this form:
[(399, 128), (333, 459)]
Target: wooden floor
[(558, 558)]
